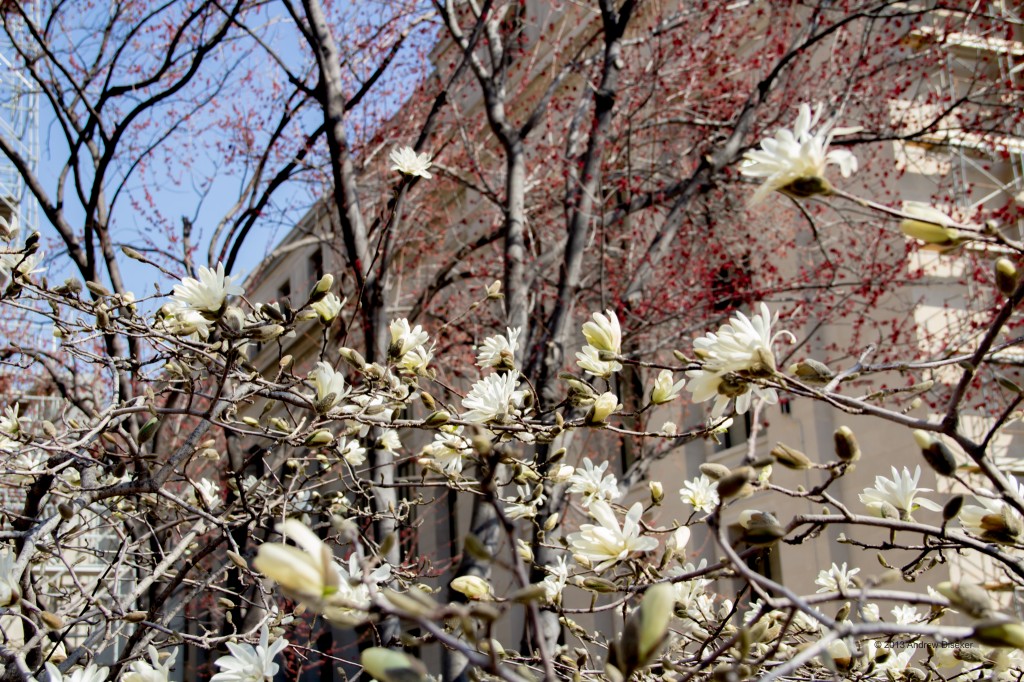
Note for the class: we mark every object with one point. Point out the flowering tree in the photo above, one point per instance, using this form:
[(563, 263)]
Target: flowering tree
[(557, 220)]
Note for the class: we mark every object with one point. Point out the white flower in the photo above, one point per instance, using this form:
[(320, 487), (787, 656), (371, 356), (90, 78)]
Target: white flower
[(405, 338), (603, 334), (835, 579), (994, 519), (10, 423), (590, 361), (448, 449), (183, 321), (740, 348), (689, 593), (871, 613), (29, 461), (90, 673), (554, 582), (905, 614), (152, 670), (900, 492), (328, 307), (353, 594), (665, 390), (417, 360), (390, 441), (593, 484), (603, 407), (21, 263), (606, 543), (493, 399), (9, 229), (209, 292), (352, 452), (209, 491), (700, 493), (330, 386), (499, 351), (524, 504), (405, 160), (561, 474), (669, 429), (248, 663), (794, 161), (307, 573), (9, 592)]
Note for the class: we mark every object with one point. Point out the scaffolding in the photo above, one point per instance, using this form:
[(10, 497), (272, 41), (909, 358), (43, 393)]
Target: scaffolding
[(19, 124)]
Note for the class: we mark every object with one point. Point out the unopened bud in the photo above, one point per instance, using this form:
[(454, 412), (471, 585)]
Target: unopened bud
[(846, 446), (811, 371), (1006, 276), (472, 586), (714, 471), (657, 492), (323, 286), (936, 453), (51, 620), (321, 437), (790, 457)]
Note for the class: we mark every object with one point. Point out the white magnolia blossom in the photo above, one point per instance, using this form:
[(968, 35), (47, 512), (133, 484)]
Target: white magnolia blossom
[(209, 292), (307, 573), (794, 161), (665, 390), (992, 518), (9, 591), (248, 663), (29, 462), (90, 673), (606, 543), (417, 360), (554, 582), (330, 386), (561, 473), (499, 350), (900, 492), (10, 423), (328, 307), (525, 503), (740, 349), (603, 334), (837, 578), (181, 320), (449, 449), (352, 452), (905, 614), (405, 338), (208, 491), (152, 670), (691, 595), (589, 360), (390, 440), (21, 263), (494, 398), (593, 484), (405, 160), (700, 493)]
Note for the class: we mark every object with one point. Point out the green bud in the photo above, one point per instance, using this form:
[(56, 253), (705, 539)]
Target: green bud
[(321, 437), (148, 430), (1000, 632), (387, 665), (437, 419)]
